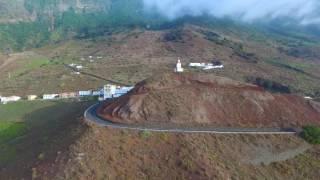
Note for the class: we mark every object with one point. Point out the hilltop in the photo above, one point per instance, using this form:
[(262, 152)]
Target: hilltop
[(204, 99)]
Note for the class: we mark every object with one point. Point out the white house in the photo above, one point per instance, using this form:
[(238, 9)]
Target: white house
[(112, 91), (197, 64), (5, 100), (178, 67), (108, 91), (308, 97), (79, 67), (206, 66), (32, 97), (85, 93), (50, 96), (213, 67)]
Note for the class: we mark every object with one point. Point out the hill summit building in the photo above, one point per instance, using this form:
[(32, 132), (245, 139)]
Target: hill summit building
[(178, 68)]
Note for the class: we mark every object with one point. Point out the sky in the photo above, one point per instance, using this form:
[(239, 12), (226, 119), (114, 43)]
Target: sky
[(306, 12)]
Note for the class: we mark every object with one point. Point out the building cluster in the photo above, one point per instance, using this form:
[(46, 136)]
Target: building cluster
[(207, 66), (107, 92)]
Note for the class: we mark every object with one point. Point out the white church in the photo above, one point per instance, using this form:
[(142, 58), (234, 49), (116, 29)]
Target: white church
[(178, 68)]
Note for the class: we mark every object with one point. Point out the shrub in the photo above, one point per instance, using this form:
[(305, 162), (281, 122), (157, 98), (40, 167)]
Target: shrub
[(311, 134), (145, 134)]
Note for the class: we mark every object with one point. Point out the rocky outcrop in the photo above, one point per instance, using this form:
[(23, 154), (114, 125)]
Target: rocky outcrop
[(202, 99)]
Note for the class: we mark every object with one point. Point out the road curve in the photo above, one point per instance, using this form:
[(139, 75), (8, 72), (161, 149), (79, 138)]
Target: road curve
[(90, 115)]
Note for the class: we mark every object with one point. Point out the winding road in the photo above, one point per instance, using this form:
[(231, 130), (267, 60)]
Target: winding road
[(91, 116)]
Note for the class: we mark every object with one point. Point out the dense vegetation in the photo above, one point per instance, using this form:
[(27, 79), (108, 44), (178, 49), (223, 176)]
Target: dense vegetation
[(311, 134), (269, 85), (55, 26)]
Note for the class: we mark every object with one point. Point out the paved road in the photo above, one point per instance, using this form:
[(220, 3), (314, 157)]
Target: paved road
[(91, 116)]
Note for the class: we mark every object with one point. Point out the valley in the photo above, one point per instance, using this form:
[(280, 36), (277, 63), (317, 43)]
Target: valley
[(255, 118)]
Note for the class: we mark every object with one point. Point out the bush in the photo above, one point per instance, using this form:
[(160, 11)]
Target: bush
[(145, 134), (311, 134)]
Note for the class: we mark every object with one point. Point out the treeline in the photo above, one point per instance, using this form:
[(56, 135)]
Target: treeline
[(269, 85), (51, 28)]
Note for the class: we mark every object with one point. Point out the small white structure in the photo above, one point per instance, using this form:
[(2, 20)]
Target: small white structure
[(308, 97), (5, 100), (85, 93), (97, 93), (32, 97), (79, 67), (72, 65), (50, 96), (178, 66), (206, 66)]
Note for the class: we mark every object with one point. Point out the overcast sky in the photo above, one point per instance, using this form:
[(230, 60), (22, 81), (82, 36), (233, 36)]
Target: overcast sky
[(306, 11)]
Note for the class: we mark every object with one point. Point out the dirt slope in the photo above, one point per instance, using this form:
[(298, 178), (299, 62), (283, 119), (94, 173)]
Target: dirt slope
[(202, 99)]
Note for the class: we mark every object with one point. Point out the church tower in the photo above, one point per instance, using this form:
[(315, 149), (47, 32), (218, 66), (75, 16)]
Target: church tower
[(178, 66)]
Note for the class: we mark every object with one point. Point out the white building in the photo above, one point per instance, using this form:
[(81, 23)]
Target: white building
[(32, 97), (79, 67), (197, 64), (308, 97), (85, 93), (5, 100), (206, 66), (112, 91), (50, 96), (97, 93), (109, 91), (178, 67)]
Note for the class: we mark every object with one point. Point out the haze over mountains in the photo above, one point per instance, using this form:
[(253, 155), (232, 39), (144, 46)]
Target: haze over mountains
[(305, 11)]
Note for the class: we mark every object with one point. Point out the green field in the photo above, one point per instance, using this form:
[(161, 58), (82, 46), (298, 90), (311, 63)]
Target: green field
[(33, 126)]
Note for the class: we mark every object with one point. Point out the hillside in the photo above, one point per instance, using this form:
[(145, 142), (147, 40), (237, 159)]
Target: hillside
[(201, 99)]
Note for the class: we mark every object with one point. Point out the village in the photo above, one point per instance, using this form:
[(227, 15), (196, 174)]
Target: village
[(106, 92)]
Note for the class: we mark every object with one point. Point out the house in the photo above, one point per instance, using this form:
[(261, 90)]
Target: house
[(213, 67), (207, 66), (108, 91), (72, 65), (79, 67), (85, 93), (197, 64), (5, 100), (97, 93), (112, 91), (308, 97), (50, 96), (68, 95), (32, 97)]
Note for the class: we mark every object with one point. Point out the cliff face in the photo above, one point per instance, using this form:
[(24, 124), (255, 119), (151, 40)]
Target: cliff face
[(29, 10), (208, 100)]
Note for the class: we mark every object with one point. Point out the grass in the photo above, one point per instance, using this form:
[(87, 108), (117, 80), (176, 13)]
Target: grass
[(11, 130), (31, 64), (37, 123), (15, 112), (145, 134)]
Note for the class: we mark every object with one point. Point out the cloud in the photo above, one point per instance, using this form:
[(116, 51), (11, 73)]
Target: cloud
[(305, 11)]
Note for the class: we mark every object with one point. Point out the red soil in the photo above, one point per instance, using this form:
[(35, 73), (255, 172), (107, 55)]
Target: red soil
[(201, 99)]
